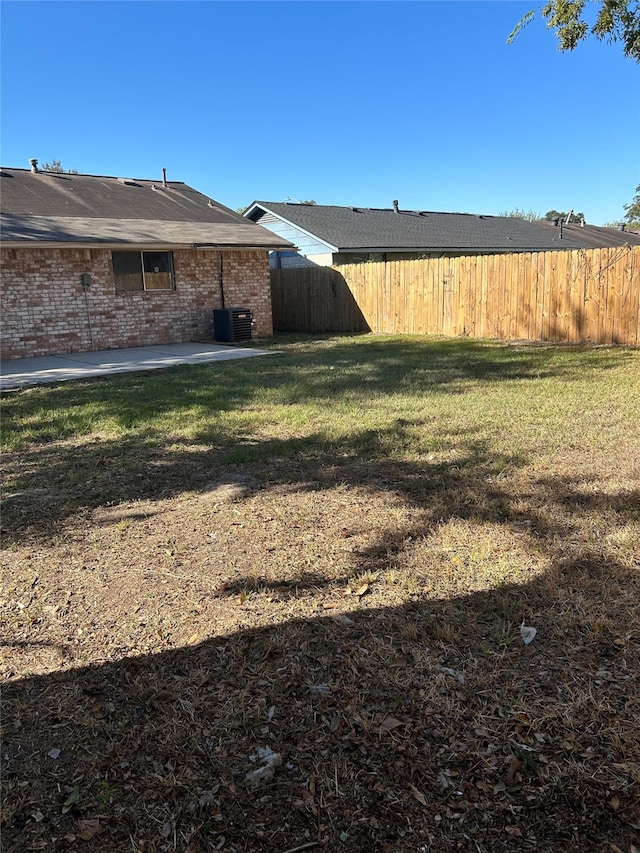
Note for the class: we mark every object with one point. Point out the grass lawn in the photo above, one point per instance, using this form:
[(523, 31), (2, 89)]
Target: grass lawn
[(275, 604)]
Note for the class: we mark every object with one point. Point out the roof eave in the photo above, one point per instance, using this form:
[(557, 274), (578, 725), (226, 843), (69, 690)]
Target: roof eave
[(160, 247), (271, 247), (472, 249)]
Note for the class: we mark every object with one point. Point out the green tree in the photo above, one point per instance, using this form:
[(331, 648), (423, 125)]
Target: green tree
[(632, 215), (574, 218), (616, 21), (56, 166)]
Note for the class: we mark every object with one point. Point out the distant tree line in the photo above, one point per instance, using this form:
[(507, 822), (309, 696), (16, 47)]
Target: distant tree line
[(56, 166), (550, 215), (571, 218), (631, 218)]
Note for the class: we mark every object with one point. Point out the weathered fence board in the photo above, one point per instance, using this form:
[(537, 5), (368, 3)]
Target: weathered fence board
[(578, 296)]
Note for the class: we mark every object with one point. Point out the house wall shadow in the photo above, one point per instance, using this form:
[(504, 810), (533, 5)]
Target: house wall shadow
[(314, 299)]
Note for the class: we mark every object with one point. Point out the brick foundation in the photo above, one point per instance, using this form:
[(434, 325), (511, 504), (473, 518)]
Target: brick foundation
[(45, 310)]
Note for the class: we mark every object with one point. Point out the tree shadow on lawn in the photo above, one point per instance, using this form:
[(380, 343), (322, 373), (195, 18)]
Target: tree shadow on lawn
[(429, 726), (328, 371), (59, 478), (50, 484)]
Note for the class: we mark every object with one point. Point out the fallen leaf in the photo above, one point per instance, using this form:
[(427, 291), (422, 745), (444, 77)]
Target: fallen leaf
[(614, 802), (86, 829), (420, 797), (71, 800), (54, 753), (515, 766), (262, 774), (513, 830), (165, 832), (206, 799), (390, 723), (362, 589)]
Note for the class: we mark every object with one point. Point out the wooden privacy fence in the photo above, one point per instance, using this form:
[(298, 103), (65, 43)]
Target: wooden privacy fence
[(575, 296), (314, 299)]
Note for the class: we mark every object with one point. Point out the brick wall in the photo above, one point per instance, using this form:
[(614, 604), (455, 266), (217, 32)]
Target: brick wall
[(45, 310)]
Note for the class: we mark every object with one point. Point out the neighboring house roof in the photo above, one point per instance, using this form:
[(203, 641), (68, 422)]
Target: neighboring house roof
[(55, 208), (350, 229)]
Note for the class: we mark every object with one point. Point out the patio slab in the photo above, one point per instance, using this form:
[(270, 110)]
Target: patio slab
[(20, 372)]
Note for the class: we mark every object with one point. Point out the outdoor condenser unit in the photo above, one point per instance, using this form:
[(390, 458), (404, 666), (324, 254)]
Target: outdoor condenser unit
[(232, 324)]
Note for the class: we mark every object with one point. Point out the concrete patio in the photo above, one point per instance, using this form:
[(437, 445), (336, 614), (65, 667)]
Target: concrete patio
[(21, 372)]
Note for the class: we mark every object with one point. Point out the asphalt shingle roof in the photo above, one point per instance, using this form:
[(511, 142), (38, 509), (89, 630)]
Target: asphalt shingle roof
[(373, 229), (50, 207)]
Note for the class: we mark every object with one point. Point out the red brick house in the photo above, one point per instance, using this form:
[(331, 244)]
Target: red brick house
[(92, 262)]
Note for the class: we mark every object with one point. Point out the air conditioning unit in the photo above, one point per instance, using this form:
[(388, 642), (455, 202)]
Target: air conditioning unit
[(232, 324)]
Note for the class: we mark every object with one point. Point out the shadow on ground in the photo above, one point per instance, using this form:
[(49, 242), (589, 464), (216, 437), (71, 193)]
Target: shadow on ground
[(426, 727)]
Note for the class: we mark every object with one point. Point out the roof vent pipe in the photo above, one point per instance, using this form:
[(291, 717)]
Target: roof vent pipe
[(395, 206), (622, 227), (164, 177), (34, 165)]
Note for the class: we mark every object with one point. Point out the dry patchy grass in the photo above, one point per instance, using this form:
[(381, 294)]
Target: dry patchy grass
[(323, 562)]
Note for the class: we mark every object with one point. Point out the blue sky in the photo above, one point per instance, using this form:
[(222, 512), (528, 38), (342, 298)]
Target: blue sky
[(353, 103)]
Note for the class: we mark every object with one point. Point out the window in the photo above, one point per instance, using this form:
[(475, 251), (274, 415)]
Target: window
[(143, 270)]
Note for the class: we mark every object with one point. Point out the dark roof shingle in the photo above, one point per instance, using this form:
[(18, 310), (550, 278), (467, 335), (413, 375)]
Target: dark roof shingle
[(373, 229), (50, 207)]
